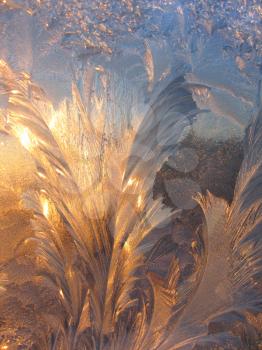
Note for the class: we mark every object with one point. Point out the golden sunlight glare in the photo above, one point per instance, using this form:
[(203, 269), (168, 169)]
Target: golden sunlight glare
[(25, 139), (139, 201), (61, 293), (45, 207)]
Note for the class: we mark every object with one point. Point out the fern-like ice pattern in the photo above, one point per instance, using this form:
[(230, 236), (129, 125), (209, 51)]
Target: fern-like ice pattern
[(98, 268)]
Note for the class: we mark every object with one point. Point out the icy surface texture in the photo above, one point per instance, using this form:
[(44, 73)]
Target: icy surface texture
[(130, 175)]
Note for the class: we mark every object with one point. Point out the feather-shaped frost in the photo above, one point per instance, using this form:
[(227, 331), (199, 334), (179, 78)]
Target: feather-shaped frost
[(227, 304), (99, 236)]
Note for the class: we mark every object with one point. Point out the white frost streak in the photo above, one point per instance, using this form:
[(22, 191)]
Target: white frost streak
[(149, 65)]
